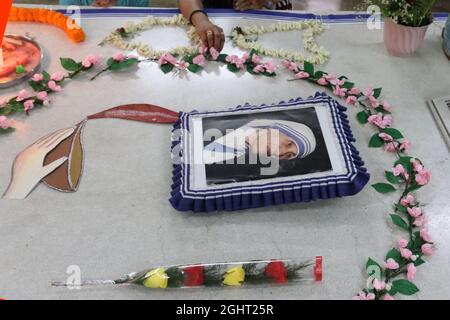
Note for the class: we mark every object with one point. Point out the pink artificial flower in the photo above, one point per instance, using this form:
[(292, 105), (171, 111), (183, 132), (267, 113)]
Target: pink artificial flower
[(245, 56), (405, 253), (378, 285), (414, 212), (302, 75), (387, 297), (386, 106), (28, 105), (373, 102), (256, 59), (427, 249), (91, 60), (385, 137), (4, 123), (405, 145), (399, 170), (322, 81), (234, 59), (259, 68), (53, 86), (214, 53), (200, 60), (23, 95), (42, 95), (410, 271), (408, 200), (390, 147), (167, 58), (290, 65), (417, 165), (338, 91), (354, 91), (402, 243), (119, 57), (368, 92), (37, 77), (182, 65), (425, 235), (337, 82), (330, 77), (351, 100), (423, 177), (57, 76), (270, 67), (421, 221), (363, 296), (391, 264), (204, 50), (380, 121)]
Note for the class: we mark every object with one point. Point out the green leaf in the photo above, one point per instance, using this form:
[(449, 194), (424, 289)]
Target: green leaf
[(167, 67), (400, 208), (319, 74), (194, 68), (406, 163), (419, 262), (391, 178), (399, 222), (383, 187), (405, 287), (418, 241), (377, 92), (373, 268), (232, 67), (413, 188), (70, 64), (222, 57), (342, 78), (46, 76), (308, 67), (6, 131), (394, 133), (381, 110), (362, 117), (348, 85), (394, 254), (375, 141), (116, 65)]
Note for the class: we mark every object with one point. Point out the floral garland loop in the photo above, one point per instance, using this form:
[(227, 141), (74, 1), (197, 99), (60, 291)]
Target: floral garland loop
[(318, 55)]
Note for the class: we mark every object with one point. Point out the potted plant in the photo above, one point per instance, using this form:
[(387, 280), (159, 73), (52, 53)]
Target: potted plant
[(405, 24)]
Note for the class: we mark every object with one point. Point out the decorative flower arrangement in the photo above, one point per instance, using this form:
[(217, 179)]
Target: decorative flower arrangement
[(250, 62), (232, 274), (120, 37), (411, 13), (246, 37), (407, 175), (43, 84), (70, 27)]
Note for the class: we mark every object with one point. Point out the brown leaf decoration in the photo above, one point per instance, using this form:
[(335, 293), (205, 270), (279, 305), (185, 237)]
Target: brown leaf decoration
[(66, 178), (139, 112)]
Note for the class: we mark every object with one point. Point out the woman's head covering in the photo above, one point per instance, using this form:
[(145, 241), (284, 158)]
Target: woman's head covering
[(300, 134)]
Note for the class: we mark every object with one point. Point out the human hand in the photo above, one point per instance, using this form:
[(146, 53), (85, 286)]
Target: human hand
[(249, 4), (211, 35), (104, 3), (28, 167)]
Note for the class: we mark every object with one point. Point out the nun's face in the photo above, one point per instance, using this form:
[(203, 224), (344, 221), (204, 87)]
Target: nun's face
[(260, 142)]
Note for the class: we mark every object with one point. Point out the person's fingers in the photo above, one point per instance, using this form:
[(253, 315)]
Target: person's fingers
[(218, 34), (50, 145), (243, 5), (222, 40), (53, 166), (210, 38), (43, 141), (202, 35)]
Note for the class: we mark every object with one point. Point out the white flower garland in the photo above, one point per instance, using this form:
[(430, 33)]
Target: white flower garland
[(311, 28), (117, 40)]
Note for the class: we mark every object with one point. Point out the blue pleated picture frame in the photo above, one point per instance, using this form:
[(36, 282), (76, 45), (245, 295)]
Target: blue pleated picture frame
[(254, 156)]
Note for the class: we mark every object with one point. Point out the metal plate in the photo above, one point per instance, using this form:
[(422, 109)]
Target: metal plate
[(6, 82)]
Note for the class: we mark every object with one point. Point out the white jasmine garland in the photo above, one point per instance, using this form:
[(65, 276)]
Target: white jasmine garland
[(117, 40), (311, 28)]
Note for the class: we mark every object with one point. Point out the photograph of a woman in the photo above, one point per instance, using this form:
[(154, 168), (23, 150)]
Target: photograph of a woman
[(251, 142)]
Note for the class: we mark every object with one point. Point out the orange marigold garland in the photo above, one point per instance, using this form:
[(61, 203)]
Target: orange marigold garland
[(70, 27)]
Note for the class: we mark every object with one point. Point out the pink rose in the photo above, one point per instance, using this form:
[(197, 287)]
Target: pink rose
[(386, 106), (28, 105), (402, 243), (354, 91), (369, 92), (385, 137), (391, 264), (183, 65), (425, 235), (23, 95), (256, 59), (427, 249), (302, 75), (410, 271), (378, 285), (399, 170), (405, 253), (214, 53), (363, 296), (390, 147), (351, 100), (203, 50), (414, 212), (42, 95), (259, 68), (270, 67), (405, 145), (387, 297), (200, 60), (423, 177), (4, 122), (290, 65), (37, 77), (338, 91), (57, 76), (408, 200), (53, 86), (421, 221), (93, 59), (322, 81), (119, 57)]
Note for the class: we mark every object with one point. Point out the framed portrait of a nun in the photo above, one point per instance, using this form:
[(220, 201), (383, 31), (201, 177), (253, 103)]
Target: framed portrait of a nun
[(253, 156)]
